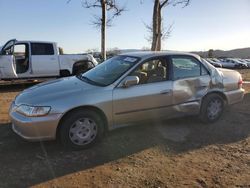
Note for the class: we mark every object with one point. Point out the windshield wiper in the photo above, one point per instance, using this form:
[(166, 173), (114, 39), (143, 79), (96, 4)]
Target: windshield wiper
[(86, 79)]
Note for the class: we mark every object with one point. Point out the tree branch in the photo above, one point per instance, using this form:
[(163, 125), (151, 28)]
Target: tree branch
[(95, 4), (164, 3), (166, 34), (185, 2), (174, 3)]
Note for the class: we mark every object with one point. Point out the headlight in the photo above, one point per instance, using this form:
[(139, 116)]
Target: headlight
[(33, 111)]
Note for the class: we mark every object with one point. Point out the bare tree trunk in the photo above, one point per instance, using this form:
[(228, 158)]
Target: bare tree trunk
[(103, 29), (155, 25), (159, 36), (157, 33), (105, 5)]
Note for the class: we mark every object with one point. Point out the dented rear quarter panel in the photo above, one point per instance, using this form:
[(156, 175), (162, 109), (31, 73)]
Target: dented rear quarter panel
[(189, 92)]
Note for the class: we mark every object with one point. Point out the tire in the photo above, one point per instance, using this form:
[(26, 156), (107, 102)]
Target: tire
[(81, 129), (80, 67), (64, 73), (80, 70), (212, 108)]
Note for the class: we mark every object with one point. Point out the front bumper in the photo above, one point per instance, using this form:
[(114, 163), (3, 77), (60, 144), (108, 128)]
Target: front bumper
[(35, 128), (235, 96)]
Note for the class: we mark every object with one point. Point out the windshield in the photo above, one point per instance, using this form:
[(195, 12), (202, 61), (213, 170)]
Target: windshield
[(238, 61), (109, 71), (241, 60)]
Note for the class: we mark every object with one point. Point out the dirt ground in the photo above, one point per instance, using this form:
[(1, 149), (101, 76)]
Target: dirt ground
[(174, 153), (245, 74)]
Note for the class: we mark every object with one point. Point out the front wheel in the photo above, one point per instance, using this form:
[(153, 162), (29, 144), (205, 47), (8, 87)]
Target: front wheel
[(81, 129), (212, 108)]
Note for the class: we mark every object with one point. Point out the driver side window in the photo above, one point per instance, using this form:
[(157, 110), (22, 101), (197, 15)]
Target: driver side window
[(154, 70)]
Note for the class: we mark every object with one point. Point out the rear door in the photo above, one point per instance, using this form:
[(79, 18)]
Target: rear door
[(191, 81), (7, 62), (44, 59)]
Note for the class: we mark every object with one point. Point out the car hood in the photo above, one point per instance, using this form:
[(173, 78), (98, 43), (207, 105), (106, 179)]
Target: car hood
[(58, 89)]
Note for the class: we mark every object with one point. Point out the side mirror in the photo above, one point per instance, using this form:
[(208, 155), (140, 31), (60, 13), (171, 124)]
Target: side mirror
[(130, 81)]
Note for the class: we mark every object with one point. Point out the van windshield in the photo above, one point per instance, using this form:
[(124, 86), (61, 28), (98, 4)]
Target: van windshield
[(109, 71)]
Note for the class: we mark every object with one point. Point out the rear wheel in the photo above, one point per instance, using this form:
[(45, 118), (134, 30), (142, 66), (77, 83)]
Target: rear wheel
[(81, 129), (80, 69), (212, 108), (64, 73)]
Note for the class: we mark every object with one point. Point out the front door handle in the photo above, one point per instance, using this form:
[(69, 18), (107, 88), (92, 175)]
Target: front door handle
[(166, 91)]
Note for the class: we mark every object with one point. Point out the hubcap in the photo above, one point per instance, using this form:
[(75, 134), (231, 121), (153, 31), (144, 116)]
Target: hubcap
[(214, 109), (83, 131)]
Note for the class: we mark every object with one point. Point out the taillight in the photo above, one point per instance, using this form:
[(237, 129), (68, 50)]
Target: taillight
[(240, 83)]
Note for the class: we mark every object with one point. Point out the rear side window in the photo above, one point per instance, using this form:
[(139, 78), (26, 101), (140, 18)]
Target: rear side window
[(186, 67), (42, 49)]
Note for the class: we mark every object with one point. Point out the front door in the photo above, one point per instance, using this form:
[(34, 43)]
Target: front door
[(7, 62), (150, 99), (22, 60)]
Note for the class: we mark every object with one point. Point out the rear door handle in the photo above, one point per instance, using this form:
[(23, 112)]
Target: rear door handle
[(166, 91)]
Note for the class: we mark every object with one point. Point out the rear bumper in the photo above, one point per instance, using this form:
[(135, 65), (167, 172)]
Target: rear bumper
[(35, 128), (235, 96)]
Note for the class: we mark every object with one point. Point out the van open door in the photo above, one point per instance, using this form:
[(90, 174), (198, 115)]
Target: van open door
[(7, 62)]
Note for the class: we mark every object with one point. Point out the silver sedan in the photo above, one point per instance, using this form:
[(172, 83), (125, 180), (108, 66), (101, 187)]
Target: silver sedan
[(123, 90)]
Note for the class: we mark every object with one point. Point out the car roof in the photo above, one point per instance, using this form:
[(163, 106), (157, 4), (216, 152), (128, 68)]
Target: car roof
[(148, 54), (33, 41)]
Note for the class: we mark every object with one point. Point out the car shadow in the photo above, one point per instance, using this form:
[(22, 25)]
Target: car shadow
[(25, 163)]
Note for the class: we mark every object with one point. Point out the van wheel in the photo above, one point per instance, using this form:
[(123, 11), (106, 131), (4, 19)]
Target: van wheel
[(81, 129), (64, 73), (80, 70), (212, 108), (80, 67)]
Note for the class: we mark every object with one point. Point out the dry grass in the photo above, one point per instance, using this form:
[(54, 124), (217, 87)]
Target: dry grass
[(245, 74), (247, 88), (176, 153), (5, 100)]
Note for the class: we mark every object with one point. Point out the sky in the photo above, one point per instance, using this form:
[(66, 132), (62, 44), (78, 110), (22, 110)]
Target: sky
[(203, 25)]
